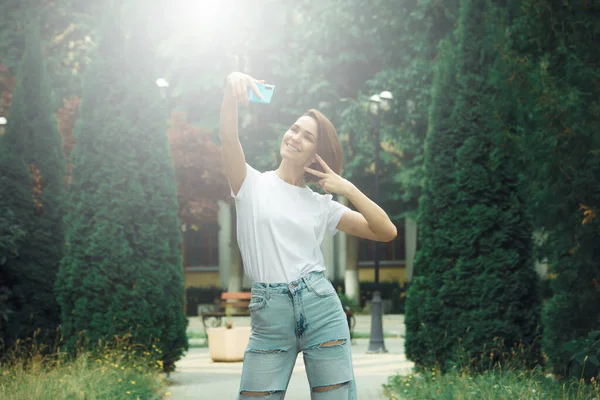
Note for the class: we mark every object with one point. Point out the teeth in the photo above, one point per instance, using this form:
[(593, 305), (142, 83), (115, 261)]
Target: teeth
[(292, 148)]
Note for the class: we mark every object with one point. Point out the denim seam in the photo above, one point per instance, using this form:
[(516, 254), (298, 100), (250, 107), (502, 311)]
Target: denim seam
[(315, 291)]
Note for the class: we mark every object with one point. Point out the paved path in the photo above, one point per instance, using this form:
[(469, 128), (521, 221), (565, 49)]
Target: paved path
[(197, 377)]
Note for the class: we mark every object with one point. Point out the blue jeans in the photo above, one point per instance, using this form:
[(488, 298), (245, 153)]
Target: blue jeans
[(302, 316)]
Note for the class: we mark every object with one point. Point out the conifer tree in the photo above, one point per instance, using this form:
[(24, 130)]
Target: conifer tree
[(475, 298), (32, 168), (558, 43), (122, 272)]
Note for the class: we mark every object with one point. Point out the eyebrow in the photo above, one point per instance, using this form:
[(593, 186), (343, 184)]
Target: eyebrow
[(305, 131)]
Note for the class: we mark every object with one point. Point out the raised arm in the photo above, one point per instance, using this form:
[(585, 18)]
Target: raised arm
[(234, 161)]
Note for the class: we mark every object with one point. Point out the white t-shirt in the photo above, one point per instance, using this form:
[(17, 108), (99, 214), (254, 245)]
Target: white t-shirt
[(280, 227)]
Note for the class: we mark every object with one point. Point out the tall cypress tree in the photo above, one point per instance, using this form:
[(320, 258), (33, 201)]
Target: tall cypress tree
[(426, 318), (32, 169), (122, 272), (475, 294), (559, 43)]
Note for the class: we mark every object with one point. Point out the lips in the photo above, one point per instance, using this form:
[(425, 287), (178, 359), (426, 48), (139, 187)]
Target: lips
[(292, 148)]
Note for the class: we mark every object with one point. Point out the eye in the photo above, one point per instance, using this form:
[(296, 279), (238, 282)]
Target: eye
[(309, 138)]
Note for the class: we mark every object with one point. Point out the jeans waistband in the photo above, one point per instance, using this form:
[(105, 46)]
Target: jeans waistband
[(291, 287)]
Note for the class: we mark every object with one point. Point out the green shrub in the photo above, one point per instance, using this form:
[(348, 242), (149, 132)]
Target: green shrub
[(122, 271), (352, 304), (585, 361), (563, 129), (390, 290), (11, 233), (32, 168), (475, 285)]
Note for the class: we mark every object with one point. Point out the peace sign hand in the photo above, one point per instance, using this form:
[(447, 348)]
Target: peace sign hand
[(330, 181)]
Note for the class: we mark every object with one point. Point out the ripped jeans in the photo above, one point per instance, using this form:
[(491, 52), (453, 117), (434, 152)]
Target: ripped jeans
[(287, 318)]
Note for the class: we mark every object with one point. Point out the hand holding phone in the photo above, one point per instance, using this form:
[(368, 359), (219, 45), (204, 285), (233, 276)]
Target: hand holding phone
[(242, 87), (265, 90)]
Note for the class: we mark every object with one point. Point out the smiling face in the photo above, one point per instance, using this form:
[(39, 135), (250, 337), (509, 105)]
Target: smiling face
[(312, 134), (299, 144)]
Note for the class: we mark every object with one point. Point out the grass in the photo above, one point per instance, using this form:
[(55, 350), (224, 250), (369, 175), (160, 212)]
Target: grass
[(197, 344), (105, 374), (492, 385), (196, 335), (201, 345)]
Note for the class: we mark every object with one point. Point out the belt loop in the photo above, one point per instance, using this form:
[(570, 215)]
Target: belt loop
[(268, 295), (306, 283)]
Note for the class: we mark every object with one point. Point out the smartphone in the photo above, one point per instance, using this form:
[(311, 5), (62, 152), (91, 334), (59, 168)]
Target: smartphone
[(265, 90)]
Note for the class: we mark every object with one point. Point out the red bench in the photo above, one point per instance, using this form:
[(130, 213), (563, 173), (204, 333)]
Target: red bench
[(237, 302)]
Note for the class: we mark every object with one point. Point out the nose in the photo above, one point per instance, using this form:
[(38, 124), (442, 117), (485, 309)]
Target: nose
[(296, 137)]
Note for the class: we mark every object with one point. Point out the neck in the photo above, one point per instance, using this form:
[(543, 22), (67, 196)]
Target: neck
[(292, 174)]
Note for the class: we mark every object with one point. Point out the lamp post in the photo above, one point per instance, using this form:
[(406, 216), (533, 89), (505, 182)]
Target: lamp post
[(162, 85), (165, 94), (378, 104), (3, 122)]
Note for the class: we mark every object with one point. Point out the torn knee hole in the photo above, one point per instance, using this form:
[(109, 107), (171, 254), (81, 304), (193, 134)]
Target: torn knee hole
[(333, 343), (256, 394), (321, 389), (265, 351)]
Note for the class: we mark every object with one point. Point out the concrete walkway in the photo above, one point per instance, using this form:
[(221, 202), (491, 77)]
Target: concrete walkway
[(198, 377)]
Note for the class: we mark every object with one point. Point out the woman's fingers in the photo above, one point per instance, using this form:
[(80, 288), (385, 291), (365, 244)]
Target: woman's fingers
[(315, 172), (237, 86), (322, 184), (242, 93), (245, 93), (323, 163), (238, 94), (255, 90), (240, 84)]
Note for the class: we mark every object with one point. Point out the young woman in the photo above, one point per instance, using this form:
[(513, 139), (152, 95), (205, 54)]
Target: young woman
[(281, 223)]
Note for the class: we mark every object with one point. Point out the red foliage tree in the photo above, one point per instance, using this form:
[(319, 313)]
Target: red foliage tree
[(198, 169), (7, 84)]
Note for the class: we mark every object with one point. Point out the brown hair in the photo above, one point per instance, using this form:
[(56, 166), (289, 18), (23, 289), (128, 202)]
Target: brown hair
[(328, 146)]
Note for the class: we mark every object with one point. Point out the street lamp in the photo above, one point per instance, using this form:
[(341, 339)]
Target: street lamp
[(3, 122), (378, 102), (165, 94), (163, 85)]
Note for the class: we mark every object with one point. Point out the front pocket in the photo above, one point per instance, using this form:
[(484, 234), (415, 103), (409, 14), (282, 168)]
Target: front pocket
[(323, 288), (256, 302)]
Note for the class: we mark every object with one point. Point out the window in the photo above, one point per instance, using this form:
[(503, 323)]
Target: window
[(389, 253), (201, 245)]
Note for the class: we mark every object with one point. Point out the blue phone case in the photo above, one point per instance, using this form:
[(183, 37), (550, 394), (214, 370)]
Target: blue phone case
[(265, 90)]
